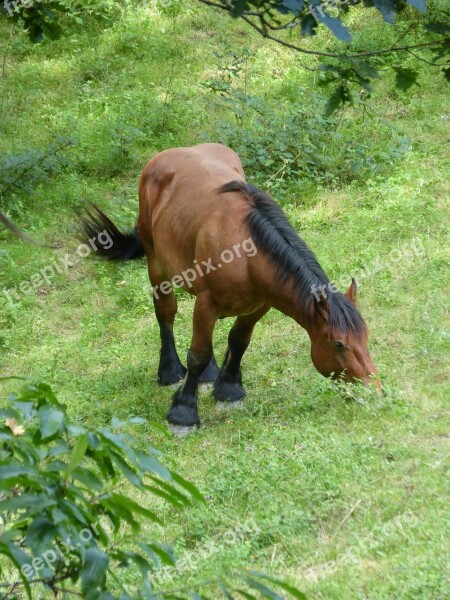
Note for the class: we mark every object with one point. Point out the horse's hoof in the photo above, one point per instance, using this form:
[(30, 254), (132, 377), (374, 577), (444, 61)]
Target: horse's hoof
[(182, 430), (230, 404), (181, 416), (228, 392), (171, 379)]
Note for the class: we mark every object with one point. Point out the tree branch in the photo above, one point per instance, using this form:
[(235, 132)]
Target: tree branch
[(246, 14), (6, 220)]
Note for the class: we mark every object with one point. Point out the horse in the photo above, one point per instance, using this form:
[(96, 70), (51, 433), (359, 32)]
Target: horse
[(203, 228)]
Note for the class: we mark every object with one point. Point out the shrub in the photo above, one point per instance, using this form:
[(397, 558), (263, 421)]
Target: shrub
[(66, 525)]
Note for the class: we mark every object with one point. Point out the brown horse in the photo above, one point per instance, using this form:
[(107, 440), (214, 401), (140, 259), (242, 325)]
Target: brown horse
[(203, 228)]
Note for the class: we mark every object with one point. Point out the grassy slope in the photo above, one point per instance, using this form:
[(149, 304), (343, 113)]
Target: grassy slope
[(320, 475)]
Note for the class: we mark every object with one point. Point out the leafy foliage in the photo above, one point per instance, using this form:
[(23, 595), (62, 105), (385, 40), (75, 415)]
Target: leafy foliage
[(42, 18), (288, 142), (23, 171), (67, 523), (300, 18)]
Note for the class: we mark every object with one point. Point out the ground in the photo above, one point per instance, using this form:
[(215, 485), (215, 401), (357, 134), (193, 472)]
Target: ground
[(342, 496)]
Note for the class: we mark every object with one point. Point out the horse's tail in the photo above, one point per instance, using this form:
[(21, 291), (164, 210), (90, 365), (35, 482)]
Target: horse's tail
[(20, 234), (99, 232)]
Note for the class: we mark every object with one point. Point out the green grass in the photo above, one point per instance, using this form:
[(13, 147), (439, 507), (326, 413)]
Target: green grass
[(344, 498)]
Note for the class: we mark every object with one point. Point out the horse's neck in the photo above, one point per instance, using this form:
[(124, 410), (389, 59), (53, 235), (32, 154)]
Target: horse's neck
[(285, 298)]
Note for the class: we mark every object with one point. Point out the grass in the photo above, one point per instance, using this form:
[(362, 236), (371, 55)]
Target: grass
[(344, 498)]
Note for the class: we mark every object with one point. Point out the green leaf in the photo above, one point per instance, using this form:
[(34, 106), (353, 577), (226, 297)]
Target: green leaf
[(164, 553), (93, 571), (262, 589), (334, 24), (125, 469), (283, 585), (442, 28), (118, 424), (77, 454), (165, 495), (337, 98), (292, 6), (142, 564), (386, 8), (149, 464), (247, 595), (24, 501), (308, 26), (117, 512), (8, 473), (87, 478), (51, 420), (134, 507), (405, 78), (187, 485), (20, 559), (39, 535), (420, 5), (225, 592)]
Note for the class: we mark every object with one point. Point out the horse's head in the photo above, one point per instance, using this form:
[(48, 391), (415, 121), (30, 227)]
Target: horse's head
[(339, 340)]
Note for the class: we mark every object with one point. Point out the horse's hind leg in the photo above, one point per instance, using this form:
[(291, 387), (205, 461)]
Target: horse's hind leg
[(184, 412), (170, 369), (228, 385)]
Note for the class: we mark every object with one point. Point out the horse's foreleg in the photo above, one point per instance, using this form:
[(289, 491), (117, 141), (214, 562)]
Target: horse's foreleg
[(183, 411), (170, 369), (228, 385)]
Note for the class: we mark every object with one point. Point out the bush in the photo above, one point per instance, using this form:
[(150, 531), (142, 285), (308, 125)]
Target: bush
[(66, 525)]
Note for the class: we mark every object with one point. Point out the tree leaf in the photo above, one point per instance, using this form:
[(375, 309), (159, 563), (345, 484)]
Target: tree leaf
[(386, 8), (164, 553), (262, 589), (337, 98), (149, 464), (405, 78), (39, 535), (187, 485), (420, 5), (283, 585), (308, 26), (442, 28), (20, 559), (293, 6), (135, 507), (93, 571), (51, 420), (334, 24), (77, 454)]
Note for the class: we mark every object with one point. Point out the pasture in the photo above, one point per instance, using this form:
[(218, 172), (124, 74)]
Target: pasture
[(344, 495)]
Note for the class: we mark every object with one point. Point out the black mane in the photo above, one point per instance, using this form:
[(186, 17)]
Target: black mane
[(273, 234)]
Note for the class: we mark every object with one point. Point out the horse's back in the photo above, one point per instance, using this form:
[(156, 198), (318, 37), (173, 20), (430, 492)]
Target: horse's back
[(210, 163), (179, 189)]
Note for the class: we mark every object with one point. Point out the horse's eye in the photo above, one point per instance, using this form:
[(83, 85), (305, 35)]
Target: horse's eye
[(339, 345)]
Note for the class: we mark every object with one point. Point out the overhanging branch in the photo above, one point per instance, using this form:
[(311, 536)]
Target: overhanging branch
[(263, 31)]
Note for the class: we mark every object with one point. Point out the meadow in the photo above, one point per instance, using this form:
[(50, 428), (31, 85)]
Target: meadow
[(344, 495)]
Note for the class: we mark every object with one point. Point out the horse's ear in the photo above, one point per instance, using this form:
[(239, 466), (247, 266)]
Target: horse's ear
[(322, 308), (351, 292)]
